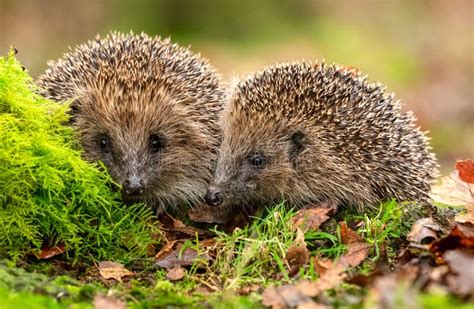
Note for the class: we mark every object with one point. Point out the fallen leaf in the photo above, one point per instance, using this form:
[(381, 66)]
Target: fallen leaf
[(48, 253), (108, 302), (297, 255), (461, 278), (168, 248), (348, 236), (364, 280), (311, 218), (179, 226), (171, 224), (356, 254), (465, 234), (466, 170), (461, 236), (391, 291), (179, 257), (176, 273), (468, 216), (321, 265), (246, 290), (112, 270), (424, 231), (285, 296), (453, 191), (301, 294)]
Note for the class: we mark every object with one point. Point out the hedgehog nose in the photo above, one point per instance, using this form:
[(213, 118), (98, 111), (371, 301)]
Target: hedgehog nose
[(213, 197), (134, 186)]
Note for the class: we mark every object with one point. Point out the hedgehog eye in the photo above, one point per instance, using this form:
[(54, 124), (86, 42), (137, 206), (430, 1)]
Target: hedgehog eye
[(104, 142), (155, 143), (256, 160)]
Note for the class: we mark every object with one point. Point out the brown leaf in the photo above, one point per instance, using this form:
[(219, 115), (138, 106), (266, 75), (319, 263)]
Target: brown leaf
[(176, 273), (348, 236), (297, 255), (48, 253), (246, 290), (460, 237), (453, 191), (108, 302), (112, 270), (466, 170), (285, 296), (468, 216), (461, 264), (356, 254), (321, 265), (301, 294), (310, 219), (179, 257), (390, 291), (171, 224), (465, 233), (168, 248), (424, 231)]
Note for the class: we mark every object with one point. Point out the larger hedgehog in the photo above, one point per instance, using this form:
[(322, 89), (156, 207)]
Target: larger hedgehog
[(310, 133), (147, 109)]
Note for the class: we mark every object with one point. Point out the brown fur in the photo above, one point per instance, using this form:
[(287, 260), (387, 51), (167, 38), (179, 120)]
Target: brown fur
[(323, 133), (129, 89)]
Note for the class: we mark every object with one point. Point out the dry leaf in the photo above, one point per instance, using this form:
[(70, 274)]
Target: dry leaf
[(171, 224), (168, 248), (48, 253), (108, 302), (460, 237), (246, 290), (176, 273), (112, 270), (468, 216), (348, 236), (424, 231), (300, 295), (466, 170), (453, 191), (356, 254), (285, 296), (321, 265), (179, 257), (297, 255), (310, 219), (461, 279)]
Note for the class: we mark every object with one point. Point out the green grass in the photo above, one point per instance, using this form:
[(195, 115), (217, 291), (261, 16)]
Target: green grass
[(48, 194), (255, 253)]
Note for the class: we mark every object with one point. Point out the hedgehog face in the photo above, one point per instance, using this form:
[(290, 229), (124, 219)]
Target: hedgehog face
[(147, 148), (260, 172)]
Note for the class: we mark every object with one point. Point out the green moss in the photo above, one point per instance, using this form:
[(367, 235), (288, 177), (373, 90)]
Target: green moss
[(48, 194)]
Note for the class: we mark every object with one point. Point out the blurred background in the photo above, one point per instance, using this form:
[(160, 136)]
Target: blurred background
[(422, 50)]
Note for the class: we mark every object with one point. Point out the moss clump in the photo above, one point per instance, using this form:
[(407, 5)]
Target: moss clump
[(48, 194)]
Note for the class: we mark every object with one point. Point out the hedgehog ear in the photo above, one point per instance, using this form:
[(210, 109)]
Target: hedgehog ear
[(297, 144)]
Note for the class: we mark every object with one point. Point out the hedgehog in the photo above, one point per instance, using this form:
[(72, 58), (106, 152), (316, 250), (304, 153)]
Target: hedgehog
[(147, 109), (312, 133)]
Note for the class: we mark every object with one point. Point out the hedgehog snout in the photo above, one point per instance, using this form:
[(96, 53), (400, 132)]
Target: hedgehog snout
[(213, 196), (134, 186)]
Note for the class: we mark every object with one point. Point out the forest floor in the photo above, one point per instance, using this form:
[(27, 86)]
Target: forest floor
[(399, 255)]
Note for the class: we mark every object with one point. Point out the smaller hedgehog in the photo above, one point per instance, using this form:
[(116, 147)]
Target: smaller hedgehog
[(148, 109), (311, 133)]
